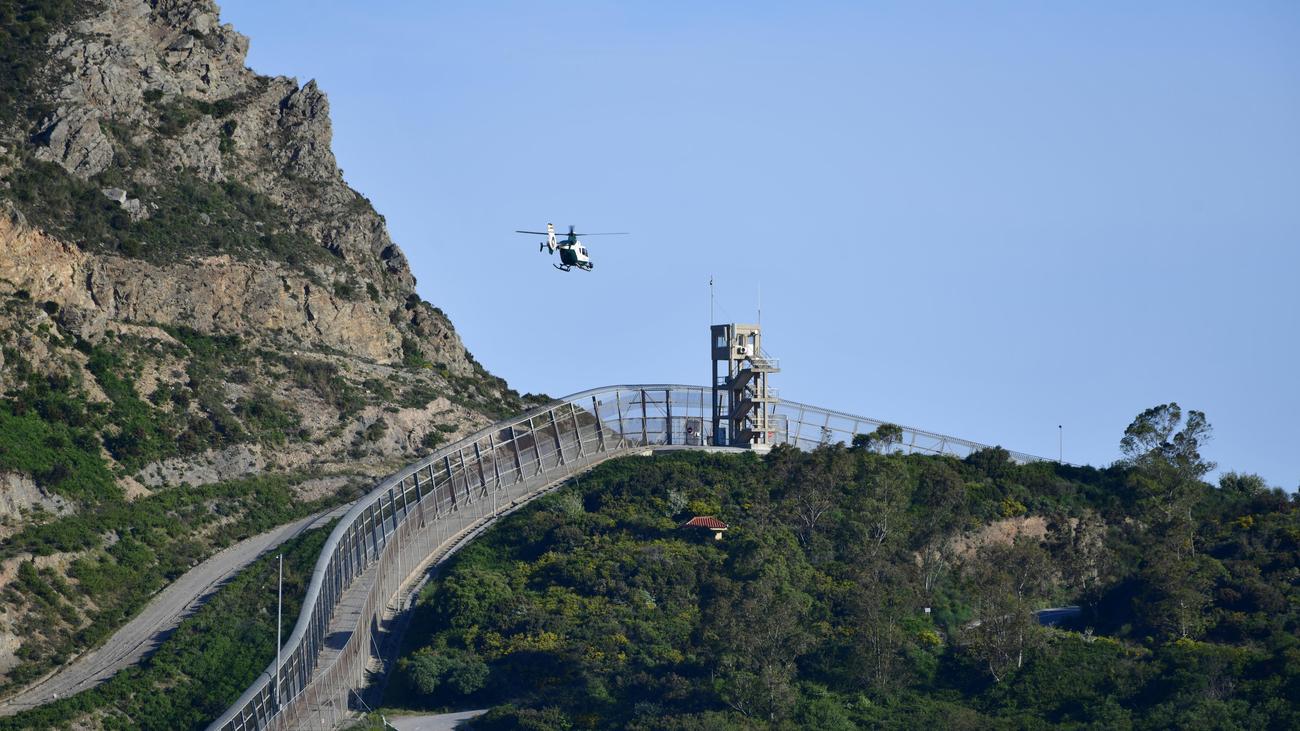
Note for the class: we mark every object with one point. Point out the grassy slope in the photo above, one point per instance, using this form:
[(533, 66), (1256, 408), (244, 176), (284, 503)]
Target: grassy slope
[(211, 658), (121, 551)]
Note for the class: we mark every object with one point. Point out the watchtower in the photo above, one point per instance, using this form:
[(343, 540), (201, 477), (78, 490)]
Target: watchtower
[(743, 404)]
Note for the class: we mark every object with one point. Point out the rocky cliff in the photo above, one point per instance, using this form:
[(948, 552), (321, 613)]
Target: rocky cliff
[(190, 294), (150, 102)]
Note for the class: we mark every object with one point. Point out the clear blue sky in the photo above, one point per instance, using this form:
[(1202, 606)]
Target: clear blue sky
[(984, 221)]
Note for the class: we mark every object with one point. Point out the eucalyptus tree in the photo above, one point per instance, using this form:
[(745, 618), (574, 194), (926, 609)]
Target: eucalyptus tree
[(1164, 451)]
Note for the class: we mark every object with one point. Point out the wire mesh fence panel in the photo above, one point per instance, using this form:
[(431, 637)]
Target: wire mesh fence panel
[(429, 508)]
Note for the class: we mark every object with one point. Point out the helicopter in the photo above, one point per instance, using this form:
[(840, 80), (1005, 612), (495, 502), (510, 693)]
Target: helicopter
[(572, 252)]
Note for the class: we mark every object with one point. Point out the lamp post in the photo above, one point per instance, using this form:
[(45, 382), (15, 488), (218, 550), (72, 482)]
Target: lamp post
[(279, 610)]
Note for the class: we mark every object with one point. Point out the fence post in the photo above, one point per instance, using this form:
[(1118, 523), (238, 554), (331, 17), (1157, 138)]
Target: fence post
[(600, 425)]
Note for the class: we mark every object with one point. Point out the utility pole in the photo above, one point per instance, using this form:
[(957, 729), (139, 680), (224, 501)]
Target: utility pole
[(1060, 444), (279, 611)]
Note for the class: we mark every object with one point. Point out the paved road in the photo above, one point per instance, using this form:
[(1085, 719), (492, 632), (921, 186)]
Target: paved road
[(1058, 615), (156, 621), (439, 722)]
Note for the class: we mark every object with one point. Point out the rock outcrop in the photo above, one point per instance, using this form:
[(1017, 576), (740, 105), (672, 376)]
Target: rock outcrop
[(168, 77), (191, 294), (211, 295), (148, 96)]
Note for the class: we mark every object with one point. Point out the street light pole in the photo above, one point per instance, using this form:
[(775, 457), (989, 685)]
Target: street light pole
[(279, 611)]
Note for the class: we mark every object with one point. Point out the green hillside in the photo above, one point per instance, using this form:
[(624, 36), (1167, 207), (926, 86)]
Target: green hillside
[(202, 667), (594, 609)]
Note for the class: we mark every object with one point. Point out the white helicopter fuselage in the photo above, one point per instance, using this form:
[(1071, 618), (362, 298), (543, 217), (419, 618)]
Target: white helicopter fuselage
[(572, 251)]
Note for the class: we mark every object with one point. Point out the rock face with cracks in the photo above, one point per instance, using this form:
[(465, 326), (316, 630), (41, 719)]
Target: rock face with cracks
[(168, 78), (220, 294)]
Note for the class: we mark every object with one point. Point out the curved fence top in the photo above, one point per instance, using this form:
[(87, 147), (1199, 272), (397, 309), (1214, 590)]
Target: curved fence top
[(664, 414)]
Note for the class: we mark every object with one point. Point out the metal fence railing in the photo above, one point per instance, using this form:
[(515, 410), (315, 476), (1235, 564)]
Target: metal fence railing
[(387, 535)]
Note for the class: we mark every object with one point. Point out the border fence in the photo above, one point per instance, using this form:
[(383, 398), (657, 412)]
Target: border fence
[(387, 535)]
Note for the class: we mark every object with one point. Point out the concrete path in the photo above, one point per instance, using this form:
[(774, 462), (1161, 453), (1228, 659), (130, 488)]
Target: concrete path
[(438, 722), (155, 622)]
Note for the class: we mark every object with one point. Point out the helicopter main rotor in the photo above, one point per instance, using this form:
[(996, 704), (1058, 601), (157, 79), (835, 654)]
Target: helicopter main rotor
[(573, 233)]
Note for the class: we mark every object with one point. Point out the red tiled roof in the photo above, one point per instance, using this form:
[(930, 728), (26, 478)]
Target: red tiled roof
[(705, 521)]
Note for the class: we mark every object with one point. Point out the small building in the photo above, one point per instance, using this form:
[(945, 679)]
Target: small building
[(707, 522)]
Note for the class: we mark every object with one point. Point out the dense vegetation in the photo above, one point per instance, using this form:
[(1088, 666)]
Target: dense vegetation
[(204, 666), (593, 609)]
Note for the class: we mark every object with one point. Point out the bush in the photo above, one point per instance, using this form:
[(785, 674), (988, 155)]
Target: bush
[(418, 396), (412, 356), (375, 431), (64, 460), (268, 419), (448, 673), (323, 378)]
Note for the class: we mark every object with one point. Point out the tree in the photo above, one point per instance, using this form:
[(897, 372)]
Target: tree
[(1176, 594), (812, 490), (1164, 452), (992, 461), (825, 713), (941, 496), (882, 601), (1167, 470), (1004, 583), (880, 440), (883, 595), (1154, 437), (1242, 485), (429, 671), (883, 504), (761, 631)]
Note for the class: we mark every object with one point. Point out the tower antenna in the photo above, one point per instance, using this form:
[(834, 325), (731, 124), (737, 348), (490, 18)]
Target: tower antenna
[(710, 299)]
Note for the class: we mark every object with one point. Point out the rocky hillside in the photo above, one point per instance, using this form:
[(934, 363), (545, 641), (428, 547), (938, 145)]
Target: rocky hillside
[(190, 295)]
